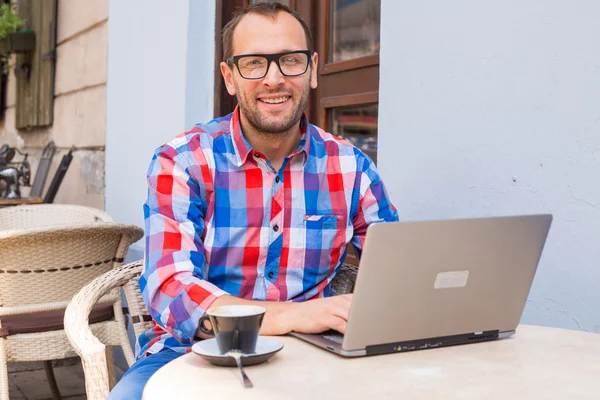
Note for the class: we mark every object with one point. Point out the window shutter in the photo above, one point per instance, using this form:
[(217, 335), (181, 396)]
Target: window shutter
[(34, 71)]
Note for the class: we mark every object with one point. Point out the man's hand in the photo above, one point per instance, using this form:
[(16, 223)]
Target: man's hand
[(312, 316)]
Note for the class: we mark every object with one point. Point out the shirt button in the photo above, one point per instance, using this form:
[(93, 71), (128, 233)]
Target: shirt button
[(271, 275), (276, 228), (277, 179)]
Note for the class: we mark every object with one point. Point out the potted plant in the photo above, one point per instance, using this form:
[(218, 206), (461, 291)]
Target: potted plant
[(12, 38)]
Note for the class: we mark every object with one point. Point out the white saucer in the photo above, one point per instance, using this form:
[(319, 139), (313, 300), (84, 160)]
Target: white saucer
[(266, 347)]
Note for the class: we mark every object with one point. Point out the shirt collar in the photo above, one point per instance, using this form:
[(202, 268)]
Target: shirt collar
[(243, 148)]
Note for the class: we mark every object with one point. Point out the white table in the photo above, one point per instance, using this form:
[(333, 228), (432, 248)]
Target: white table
[(536, 363)]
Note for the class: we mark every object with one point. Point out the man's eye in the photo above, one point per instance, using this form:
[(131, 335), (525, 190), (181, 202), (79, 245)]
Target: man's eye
[(291, 60), (252, 63)]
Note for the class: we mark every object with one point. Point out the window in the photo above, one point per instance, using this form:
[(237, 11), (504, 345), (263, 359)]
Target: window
[(348, 46), (357, 124), (346, 37)]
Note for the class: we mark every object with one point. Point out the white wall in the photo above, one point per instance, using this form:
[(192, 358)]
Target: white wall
[(160, 82), (492, 108)]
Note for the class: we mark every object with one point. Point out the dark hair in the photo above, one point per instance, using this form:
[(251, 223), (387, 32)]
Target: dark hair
[(265, 9)]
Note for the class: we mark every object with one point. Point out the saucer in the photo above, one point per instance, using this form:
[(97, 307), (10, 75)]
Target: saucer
[(266, 347)]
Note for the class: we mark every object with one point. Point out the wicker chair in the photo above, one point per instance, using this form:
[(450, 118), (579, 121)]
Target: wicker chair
[(40, 270), (84, 340), (92, 351), (40, 215)]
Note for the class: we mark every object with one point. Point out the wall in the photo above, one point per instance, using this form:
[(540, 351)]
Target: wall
[(491, 108), (79, 106), (160, 82)]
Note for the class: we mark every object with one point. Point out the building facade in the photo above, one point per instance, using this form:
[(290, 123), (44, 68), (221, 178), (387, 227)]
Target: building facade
[(79, 104), (477, 109)]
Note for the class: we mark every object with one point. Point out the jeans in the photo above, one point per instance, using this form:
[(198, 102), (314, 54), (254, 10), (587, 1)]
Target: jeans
[(132, 383)]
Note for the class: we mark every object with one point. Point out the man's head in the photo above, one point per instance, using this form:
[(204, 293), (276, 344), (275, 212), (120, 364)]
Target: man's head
[(272, 103)]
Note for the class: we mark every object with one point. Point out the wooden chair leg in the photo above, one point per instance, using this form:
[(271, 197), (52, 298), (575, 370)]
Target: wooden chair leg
[(52, 380)]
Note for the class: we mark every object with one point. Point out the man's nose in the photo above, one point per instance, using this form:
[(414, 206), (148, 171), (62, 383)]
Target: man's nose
[(274, 76)]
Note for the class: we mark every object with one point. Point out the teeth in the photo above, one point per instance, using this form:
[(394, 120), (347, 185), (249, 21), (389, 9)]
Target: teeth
[(275, 101)]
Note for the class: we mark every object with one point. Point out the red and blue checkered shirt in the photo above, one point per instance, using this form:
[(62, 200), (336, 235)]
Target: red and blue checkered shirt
[(220, 220)]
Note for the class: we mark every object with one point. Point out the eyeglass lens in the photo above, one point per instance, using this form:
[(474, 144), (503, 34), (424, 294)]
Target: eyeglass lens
[(255, 67)]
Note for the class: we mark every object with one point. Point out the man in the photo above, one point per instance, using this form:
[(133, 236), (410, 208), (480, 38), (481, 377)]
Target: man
[(256, 207)]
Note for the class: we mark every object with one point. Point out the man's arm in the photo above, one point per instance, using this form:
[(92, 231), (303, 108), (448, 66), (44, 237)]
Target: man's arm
[(173, 283), (318, 315), (374, 204), (312, 316)]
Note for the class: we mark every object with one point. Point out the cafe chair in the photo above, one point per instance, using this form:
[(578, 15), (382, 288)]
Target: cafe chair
[(93, 351), (41, 268), (84, 340)]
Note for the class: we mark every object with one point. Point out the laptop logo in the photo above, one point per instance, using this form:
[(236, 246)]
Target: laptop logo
[(451, 279)]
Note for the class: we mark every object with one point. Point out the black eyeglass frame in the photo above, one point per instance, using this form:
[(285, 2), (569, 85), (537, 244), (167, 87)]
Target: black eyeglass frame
[(270, 58)]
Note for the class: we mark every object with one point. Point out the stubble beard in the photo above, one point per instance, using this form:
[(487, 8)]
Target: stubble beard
[(260, 123)]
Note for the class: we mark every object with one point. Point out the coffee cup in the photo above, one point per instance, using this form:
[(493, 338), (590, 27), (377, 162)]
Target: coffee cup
[(235, 327)]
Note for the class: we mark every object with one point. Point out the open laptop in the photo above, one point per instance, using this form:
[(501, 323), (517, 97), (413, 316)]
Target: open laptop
[(430, 284)]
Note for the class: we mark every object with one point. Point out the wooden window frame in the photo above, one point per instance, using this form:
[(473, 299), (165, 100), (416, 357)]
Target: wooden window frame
[(334, 89), (345, 83), (224, 103)]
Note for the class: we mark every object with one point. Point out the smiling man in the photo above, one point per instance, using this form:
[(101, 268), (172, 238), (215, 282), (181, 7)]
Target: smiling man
[(256, 207)]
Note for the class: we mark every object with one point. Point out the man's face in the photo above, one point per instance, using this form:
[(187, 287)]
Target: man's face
[(275, 103)]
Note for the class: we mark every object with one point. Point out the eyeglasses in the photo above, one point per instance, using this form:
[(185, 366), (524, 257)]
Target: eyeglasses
[(256, 66)]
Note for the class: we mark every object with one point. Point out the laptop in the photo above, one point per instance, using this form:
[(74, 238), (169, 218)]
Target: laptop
[(423, 285)]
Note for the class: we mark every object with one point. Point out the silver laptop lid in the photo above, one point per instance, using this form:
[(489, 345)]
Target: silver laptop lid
[(433, 279)]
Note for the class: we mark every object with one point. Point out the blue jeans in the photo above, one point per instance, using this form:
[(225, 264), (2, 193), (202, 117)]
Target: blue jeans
[(131, 385)]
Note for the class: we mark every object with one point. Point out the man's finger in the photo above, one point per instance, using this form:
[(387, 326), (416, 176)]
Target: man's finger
[(346, 298), (339, 324), (341, 312)]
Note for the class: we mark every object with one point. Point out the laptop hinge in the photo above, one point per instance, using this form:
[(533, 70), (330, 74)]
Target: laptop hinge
[(433, 342)]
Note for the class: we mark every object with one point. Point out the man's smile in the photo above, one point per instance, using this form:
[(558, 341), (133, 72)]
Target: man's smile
[(274, 100)]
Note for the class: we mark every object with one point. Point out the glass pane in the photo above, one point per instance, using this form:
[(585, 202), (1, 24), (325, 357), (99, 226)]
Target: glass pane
[(358, 125), (354, 29)]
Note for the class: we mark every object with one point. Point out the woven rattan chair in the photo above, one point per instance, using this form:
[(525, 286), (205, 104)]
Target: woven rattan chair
[(40, 215), (40, 271), (92, 351), (84, 340)]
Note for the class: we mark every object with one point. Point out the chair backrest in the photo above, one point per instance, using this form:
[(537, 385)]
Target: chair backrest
[(140, 317), (58, 177), (49, 265), (39, 179), (41, 215)]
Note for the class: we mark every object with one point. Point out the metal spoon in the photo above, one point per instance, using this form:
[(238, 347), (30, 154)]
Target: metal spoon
[(237, 355)]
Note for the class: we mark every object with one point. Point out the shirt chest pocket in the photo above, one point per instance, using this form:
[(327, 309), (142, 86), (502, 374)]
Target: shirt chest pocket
[(325, 237)]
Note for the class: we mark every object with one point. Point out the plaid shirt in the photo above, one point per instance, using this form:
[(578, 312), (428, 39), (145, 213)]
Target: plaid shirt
[(220, 220)]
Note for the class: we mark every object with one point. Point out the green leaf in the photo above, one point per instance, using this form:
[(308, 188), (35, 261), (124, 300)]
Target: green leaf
[(9, 21)]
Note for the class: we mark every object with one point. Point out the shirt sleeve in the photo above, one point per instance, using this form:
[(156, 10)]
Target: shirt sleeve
[(374, 204), (173, 281)]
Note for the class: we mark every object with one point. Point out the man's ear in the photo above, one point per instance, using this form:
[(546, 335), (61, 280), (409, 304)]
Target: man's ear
[(313, 71), (228, 78)]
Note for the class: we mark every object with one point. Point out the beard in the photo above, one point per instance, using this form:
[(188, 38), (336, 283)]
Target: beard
[(272, 125)]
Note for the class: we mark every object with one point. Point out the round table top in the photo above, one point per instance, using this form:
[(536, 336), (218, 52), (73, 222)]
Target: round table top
[(536, 363)]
